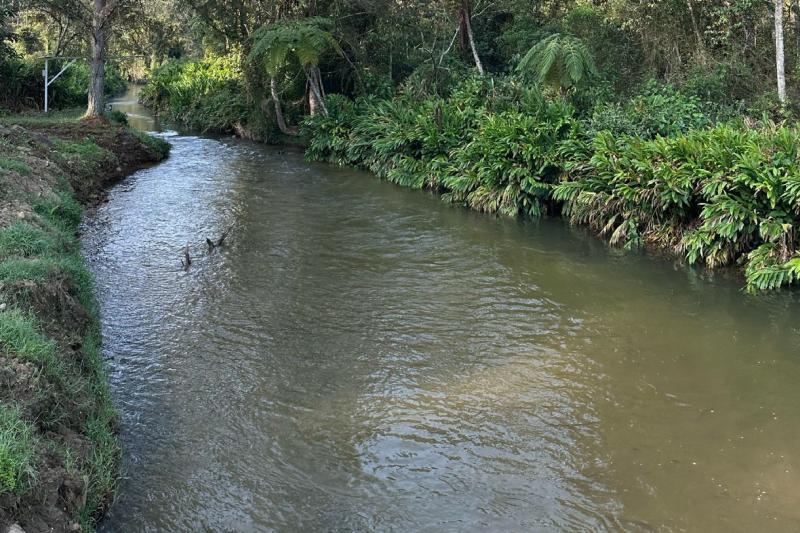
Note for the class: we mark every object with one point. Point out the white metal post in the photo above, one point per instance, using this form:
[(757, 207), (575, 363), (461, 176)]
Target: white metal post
[(48, 81), (46, 85)]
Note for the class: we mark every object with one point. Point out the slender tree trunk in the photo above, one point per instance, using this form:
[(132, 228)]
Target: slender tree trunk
[(796, 9), (701, 47), (316, 102), (276, 100), (98, 65), (464, 16), (779, 57)]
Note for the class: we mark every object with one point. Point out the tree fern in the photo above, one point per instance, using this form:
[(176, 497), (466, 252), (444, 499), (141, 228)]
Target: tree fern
[(561, 61)]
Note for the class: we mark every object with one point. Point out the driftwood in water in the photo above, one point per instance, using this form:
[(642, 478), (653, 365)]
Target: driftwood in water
[(186, 262), (211, 244)]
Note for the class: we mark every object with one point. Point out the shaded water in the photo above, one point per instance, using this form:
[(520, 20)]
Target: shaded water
[(364, 357)]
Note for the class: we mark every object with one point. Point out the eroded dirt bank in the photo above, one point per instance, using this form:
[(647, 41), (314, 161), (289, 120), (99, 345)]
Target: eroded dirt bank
[(58, 449)]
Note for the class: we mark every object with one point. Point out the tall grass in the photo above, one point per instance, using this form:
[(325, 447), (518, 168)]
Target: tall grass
[(17, 451)]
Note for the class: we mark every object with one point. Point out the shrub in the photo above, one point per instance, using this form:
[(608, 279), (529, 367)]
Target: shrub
[(205, 93), (659, 110), (117, 117), (717, 196)]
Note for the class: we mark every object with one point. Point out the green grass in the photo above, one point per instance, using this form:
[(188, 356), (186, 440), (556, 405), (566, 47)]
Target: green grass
[(40, 258), (34, 269), (100, 466), (86, 151), (62, 116), (62, 212), (17, 451), (12, 165), (157, 145), (20, 337), (23, 239)]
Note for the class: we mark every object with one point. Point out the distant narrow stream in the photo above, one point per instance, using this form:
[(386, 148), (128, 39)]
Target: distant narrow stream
[(362, 357)]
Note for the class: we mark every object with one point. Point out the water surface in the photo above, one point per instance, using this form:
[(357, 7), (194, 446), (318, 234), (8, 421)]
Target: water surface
[(362, 357)]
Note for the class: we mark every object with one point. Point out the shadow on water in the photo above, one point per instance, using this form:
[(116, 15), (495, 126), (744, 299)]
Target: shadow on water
[(363, 357)]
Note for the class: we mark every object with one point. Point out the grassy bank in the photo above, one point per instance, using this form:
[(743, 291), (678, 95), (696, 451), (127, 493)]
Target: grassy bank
[(58, 450)]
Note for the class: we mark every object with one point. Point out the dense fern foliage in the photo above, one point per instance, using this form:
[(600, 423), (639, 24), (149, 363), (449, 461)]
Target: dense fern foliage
[(562, 61), (717, 195)]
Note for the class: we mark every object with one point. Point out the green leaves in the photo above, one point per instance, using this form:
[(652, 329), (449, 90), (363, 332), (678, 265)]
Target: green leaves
[(717, 196), (205, 93), (561, 61), (306, 39)]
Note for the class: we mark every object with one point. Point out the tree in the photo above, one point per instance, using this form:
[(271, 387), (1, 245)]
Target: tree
[(779, 52), (561, 61), (96, 102), (95, 19), (304, 40), (465, 31)]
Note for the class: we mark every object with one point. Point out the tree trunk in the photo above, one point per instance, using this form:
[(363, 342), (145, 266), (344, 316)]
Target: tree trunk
[(796, 9), (98, 65), (701, 47), (276, 99), (316, 102), (779, 57), (466, 33)]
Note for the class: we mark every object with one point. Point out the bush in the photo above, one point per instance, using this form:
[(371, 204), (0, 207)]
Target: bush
[(655, 171), (718, 196), (660, 110), (205, 93), (117, 117), (490, 146)]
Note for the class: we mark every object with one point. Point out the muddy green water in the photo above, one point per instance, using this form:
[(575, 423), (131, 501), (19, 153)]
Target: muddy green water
[(362, 357)]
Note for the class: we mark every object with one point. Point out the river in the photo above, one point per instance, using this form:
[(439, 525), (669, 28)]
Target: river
[(362, 357)]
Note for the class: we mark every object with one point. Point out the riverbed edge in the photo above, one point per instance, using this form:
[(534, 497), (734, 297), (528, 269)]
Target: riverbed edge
[(59, 451)]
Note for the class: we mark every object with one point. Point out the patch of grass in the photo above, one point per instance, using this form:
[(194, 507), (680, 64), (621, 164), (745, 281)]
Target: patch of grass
[(159, 146), (20, 337), (100, 466), (85, 149), (12, 165), (23, 239), (28, 269), (17, 451), (62, 116), (62, 212)]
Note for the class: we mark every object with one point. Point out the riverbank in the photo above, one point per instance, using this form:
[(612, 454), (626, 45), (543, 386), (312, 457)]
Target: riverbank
[(660, 169), (58, 449)]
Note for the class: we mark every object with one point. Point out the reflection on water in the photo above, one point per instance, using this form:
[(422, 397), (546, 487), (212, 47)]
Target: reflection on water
[(364, 357), (138, 117)]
